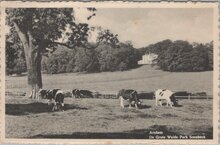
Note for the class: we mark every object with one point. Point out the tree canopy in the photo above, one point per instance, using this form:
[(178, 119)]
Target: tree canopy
[(181, 55)]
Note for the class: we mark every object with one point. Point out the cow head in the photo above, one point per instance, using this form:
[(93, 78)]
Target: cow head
[(174, 100), (139, 102), (43, 93)]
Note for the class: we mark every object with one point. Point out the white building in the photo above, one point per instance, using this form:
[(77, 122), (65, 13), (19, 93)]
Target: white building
[(148, 58)]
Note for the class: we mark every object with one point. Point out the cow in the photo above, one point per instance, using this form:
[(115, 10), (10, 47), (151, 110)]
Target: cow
[(76, 93), (130, 95), (54, 96), (167, 95)]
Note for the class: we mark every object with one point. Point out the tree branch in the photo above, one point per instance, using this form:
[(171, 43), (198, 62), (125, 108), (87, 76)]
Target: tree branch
[(22, 36), (64, 44)]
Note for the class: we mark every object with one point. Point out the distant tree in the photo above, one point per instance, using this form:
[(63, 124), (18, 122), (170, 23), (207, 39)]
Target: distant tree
[(86, 61), (20, 66), (107, 59), (10, 58), (123, 58), (60, 61), (15, 62), (182, 56), (210, 55)]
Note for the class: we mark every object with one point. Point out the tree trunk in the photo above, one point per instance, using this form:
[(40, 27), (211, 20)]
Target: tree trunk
[(33, 61), (34, 74)]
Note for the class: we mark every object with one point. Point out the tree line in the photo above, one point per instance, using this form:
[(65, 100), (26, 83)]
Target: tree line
[(175, 56), (63, 60)]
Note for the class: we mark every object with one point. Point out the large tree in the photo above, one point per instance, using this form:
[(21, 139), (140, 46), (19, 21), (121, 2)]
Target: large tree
[(40, 29)]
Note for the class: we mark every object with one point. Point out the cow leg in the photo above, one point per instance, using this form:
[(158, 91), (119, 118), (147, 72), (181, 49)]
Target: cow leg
[(160, 102), (129, 104), (62, 106), (156, 102), (54, 106), (136, 105), (49, 102), (170, 104), (121, 101), (74, 97)]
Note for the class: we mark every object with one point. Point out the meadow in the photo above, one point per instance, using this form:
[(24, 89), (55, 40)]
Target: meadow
[(144, 78), (104, 118)]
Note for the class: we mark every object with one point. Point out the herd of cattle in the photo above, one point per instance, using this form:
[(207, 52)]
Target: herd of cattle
[(56, 97)]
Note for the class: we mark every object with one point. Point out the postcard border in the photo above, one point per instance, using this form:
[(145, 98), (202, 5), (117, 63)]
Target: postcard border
[(117, 4)]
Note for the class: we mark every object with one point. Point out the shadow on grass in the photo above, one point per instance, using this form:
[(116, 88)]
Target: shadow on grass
[(144, 107), (34, 108), (177, 105), (140, 107), (133, 134)]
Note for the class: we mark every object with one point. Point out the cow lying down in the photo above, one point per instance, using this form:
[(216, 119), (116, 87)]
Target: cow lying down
[(76, 93), (165, 95), (54, 96), (131, 96)]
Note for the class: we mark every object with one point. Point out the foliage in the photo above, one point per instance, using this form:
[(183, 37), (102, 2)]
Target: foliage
[(122, 58), (15, 61), (86, 61), (60, 61), (104, 58), (182, 56), (20, 66)]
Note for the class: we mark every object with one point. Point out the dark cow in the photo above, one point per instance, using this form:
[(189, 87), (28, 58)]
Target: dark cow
[(76, 93), (131, 96), (55, 97)]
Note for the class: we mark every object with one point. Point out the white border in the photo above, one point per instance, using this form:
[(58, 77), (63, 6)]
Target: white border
[(16, 4)]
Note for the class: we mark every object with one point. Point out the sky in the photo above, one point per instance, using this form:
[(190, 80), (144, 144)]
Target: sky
[(144, 26)]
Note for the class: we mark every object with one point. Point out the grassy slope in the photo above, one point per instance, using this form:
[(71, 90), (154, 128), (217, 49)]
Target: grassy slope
[(144, 78)]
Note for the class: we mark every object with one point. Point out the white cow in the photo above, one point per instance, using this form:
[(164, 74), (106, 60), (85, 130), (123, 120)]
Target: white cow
[(164, 94)]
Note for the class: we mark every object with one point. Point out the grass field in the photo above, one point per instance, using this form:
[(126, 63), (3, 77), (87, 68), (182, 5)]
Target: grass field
[(143, 78), (103, 118)]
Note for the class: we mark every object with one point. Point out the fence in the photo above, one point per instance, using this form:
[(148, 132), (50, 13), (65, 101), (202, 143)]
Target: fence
[(142, 94)]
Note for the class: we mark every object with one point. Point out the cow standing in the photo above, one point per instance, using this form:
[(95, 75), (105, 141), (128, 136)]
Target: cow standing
[(167, 95), (55, 97), (130, 95)]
